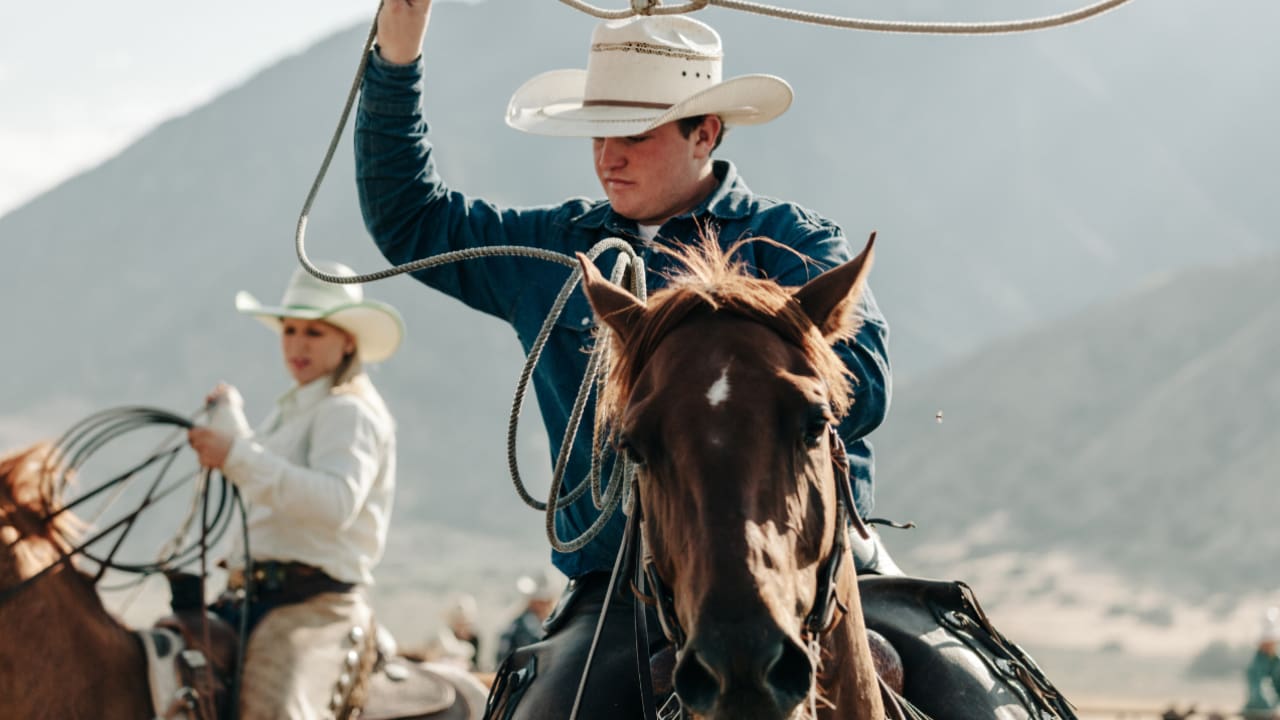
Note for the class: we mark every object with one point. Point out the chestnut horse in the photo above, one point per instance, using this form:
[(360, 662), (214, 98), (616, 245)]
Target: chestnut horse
[(724, 390), (65, 656)]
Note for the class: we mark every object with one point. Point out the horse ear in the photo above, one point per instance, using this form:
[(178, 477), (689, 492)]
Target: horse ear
[(615, 307), (830, 298)]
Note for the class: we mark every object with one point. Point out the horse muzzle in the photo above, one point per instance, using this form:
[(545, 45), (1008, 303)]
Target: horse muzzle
[(743, 673)]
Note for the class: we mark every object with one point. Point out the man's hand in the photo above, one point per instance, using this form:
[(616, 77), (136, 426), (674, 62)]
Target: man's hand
[(210, 445), (402, 24)]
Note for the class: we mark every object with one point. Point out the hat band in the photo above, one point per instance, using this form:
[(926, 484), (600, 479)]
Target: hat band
[(645, 48), (625, 103)]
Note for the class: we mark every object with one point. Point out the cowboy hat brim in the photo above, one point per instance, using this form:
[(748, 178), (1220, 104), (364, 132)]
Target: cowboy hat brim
[(552, 104), (377, 327)]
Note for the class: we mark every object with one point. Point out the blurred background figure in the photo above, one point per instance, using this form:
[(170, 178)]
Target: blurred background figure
[(462, 617), (1263, 674), (540, 591), (445, 649)]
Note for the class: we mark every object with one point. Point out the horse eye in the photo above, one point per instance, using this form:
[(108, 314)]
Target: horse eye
[(815, 426), (627, 450)]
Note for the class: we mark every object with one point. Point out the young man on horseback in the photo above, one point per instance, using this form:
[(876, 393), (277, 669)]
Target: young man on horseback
[(655, 105)]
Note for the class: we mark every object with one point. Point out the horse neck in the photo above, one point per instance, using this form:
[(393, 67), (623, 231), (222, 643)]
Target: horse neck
[(64, 655), (848, 676)]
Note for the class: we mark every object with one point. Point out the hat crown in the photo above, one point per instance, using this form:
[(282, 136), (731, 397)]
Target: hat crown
[(651, 61), (308, 291), (541, 585), (1270, 630)]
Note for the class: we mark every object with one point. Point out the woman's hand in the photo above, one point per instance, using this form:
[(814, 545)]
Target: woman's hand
[(222, 392), (211, 446), (225, 408)]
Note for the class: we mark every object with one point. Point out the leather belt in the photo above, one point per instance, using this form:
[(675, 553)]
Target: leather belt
[(288, 581)]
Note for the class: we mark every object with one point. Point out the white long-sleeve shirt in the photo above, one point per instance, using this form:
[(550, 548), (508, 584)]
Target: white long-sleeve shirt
[(318, 477)]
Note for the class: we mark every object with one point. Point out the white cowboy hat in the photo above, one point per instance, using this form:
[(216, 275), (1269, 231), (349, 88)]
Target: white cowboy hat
[(643, 72), (376, 326), (1270, 626), (463, 610), (541, 585)]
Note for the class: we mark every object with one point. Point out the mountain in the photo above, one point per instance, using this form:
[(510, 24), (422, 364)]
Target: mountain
[(1143, 434), (1013, 180)]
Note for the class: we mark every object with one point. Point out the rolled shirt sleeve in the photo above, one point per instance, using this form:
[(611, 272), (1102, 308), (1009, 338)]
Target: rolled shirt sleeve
[(342, 465)]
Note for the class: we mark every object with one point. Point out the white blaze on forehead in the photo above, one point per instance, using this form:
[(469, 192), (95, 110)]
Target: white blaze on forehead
[(719, 390)]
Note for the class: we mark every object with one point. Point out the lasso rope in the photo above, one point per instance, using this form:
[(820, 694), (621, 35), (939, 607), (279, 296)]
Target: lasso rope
[(608, 499), (655, 7)]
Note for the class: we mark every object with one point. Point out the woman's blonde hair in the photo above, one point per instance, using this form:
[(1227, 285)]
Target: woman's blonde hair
[(349, 369)]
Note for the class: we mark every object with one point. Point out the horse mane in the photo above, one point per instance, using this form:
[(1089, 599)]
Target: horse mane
[(27, 496), (708, 278)]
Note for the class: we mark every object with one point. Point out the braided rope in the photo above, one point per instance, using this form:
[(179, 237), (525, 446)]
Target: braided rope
[(654, 7)]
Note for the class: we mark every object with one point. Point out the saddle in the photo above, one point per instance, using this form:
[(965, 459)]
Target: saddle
[(955, 663), (191, 665), (188, 677), (936, 652), (408, 690)]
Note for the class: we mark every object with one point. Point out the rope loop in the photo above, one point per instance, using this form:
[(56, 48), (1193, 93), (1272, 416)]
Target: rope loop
[(638, 7), (655, 7)]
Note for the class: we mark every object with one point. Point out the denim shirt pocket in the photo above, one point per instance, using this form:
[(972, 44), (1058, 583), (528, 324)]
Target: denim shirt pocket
[(575, 325), (578, 320)]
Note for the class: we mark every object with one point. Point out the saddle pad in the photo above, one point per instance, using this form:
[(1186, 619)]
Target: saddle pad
[(421, 692)]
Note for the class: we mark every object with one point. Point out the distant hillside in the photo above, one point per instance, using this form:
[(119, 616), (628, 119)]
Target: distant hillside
[(1012, 179), (1143, 434)]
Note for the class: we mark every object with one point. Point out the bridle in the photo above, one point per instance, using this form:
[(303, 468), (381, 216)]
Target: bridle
[(822, 613), (650, 589)]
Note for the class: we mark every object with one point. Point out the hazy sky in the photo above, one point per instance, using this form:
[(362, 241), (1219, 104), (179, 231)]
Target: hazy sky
[(79, 80)]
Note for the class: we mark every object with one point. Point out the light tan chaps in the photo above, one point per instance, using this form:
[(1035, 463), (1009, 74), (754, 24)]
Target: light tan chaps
[(300, 662)]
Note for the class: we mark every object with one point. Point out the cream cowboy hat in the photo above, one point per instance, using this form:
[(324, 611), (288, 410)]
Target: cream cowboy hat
[(376, 326), (643, 72)]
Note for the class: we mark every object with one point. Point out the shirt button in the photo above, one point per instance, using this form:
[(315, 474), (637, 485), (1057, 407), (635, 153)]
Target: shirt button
[(586, 321)]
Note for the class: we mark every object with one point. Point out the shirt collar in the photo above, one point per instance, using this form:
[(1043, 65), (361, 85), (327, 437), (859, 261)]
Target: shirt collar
[(301, 398), (729, 201)]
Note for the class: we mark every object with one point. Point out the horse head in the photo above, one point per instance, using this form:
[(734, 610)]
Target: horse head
[(723, 390), (31, 530)]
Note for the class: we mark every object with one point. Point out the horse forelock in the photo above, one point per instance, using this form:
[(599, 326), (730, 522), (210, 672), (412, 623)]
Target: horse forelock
[(709, 279), (28, 497)]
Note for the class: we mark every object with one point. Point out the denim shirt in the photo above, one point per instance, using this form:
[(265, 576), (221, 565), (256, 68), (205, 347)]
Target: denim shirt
[(412, 213)]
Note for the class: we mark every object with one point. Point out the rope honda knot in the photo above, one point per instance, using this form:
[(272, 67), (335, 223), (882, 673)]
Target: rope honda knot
[(644, 7)]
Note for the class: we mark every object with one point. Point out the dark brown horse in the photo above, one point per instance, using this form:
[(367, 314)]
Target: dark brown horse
[(65, 656), (723, 389)]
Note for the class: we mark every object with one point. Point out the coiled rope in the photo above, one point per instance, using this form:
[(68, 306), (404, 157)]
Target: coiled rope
[(629, 263), (90, 435), (79, 443)]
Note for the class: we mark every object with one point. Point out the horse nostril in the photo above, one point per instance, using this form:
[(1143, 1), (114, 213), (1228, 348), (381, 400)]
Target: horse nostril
[(696, 684), (790, 677)]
